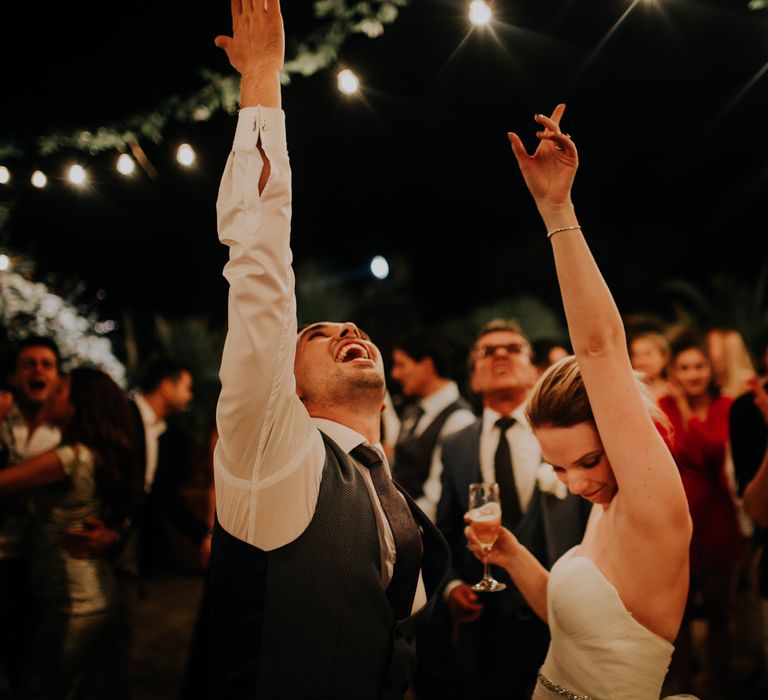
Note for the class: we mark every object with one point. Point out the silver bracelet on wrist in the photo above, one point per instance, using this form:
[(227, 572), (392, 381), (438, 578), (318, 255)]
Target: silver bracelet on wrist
[(564, 228)]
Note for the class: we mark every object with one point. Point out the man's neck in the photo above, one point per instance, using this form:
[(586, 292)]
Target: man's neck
[(367, 423), (433, 387), (505, 403), (157, 405), (33, 415)]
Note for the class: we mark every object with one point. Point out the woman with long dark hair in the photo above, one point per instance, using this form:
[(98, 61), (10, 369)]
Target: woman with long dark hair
[(92, 474)]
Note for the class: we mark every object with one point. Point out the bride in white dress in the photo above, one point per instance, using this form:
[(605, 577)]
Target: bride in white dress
[(615, 602)]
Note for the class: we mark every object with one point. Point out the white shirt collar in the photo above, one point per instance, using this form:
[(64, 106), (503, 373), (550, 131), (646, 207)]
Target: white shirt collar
[(440, 400), (148, 415), (346, 438), (490, 417)]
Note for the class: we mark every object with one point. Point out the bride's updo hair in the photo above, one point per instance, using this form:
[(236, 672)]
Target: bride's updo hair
[(559, 399)]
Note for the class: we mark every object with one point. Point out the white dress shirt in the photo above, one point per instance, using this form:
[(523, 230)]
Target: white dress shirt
[(432, 406), (154, 427), (269, 458), (43, 438)]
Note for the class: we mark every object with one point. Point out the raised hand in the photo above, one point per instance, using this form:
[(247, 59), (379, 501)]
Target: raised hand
[(256, 50), (549, 172), (258, 41)]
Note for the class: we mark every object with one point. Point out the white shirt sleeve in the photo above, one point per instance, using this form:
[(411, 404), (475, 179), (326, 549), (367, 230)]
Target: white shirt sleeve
[(269, 458)]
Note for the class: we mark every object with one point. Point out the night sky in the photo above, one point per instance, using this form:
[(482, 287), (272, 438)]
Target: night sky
[(667, 107)]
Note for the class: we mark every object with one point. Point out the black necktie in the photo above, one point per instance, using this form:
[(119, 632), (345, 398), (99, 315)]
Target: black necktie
[(405, 577), (505, 477)]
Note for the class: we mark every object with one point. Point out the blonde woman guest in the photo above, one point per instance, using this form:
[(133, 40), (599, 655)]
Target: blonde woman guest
[(613, 603), (649, 353)]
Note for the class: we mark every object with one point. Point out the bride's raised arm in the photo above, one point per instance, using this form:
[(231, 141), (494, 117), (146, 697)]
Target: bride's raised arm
[(647, 477)]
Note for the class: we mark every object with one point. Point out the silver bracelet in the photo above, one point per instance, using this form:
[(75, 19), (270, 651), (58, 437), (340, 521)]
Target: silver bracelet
[(565, 228)]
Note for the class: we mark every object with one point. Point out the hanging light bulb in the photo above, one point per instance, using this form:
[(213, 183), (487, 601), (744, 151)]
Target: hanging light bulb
[(380, 267), (39, 179), (77, 175), (125, 164), (185, 154), (348, 82), (5, 175), (480, 14)]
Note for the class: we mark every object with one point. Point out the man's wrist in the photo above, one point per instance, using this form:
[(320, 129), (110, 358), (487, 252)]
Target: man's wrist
[(261, 87)]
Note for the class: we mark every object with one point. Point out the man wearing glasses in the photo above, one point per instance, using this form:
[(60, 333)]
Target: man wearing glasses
[(501, 643)]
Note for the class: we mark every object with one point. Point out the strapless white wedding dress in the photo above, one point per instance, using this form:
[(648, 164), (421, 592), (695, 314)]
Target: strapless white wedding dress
[(598, 650)]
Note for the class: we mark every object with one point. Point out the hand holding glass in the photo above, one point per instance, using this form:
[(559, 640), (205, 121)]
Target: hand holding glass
[(485, 518)]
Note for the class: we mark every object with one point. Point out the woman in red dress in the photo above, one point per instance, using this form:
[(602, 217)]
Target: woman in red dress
[(699, 418)]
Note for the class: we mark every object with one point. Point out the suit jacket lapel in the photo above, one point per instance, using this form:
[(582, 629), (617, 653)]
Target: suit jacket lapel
[(473, 473)]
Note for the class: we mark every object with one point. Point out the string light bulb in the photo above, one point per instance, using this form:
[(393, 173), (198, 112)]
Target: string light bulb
[(77, 175), (348, 82), (39, 179), (380, 267), (125, 164), (5, 175), (5, 263), (480, 13), (185, 154)]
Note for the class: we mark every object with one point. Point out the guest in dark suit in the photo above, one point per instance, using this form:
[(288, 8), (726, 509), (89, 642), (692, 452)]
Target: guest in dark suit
[(134, 543), (322, 572), (501, 643)]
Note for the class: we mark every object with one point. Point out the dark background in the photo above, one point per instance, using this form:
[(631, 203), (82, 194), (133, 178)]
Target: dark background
[(673, 145)]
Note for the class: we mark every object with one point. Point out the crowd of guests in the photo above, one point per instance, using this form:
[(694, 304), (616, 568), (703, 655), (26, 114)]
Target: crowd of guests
[(88, 476)]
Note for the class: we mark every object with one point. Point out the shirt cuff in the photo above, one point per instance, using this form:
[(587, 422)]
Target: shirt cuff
[(265, 123), (450, 586)]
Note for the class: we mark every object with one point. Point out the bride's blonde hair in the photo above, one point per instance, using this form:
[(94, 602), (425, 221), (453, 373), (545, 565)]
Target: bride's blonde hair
[(559, 399)]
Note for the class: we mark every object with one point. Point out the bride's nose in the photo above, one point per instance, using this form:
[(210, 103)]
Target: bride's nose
[(577, 484)]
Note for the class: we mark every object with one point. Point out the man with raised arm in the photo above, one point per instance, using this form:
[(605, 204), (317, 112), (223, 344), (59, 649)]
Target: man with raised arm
[(322, 571)]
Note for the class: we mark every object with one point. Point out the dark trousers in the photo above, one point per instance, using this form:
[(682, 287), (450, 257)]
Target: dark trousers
[(500, 656), (436, 677), (16, 619)]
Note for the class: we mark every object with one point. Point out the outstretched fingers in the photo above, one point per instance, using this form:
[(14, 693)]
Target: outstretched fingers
[(517, 147)]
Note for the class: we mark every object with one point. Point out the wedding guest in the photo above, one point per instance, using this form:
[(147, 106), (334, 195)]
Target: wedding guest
[(24, 432), (420, 365), (731, 362), (164, 454), (649, 353), (321, 571), (92, 470), (614, 602), (500, 447), (748, 422), (699, 417)]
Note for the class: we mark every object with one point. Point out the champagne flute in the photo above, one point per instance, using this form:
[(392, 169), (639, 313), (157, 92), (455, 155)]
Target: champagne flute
[(485, 517)]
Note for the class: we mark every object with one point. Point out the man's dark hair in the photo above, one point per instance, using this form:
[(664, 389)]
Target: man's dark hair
[(418, 345), (159, 369), (38, 341)]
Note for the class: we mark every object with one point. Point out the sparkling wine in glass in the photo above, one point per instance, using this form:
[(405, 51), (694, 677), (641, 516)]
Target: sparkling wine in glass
[(485, 517)]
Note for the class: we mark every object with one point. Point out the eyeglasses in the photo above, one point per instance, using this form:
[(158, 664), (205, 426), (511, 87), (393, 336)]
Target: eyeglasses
[(490, 350)]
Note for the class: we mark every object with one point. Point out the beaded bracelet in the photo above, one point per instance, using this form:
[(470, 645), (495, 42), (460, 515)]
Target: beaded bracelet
[(565, 228)]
